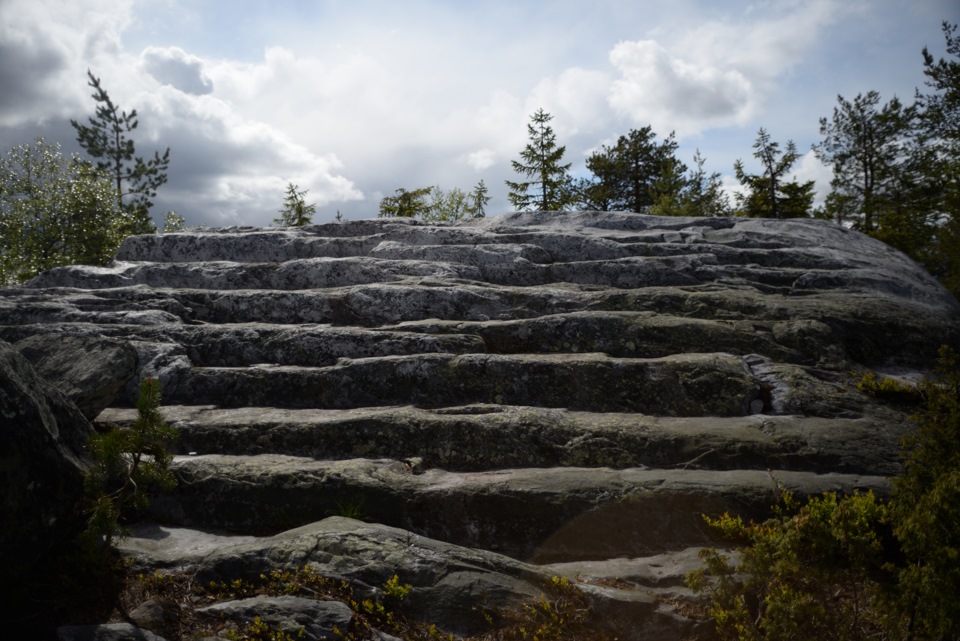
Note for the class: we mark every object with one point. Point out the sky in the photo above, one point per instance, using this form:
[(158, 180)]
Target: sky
[(353, 99)]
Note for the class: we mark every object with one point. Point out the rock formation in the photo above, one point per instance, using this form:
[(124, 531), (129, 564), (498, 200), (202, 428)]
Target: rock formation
[(43, 458), (570, 390)]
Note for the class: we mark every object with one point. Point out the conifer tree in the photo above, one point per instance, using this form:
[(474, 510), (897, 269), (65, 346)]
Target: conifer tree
[(867, 146), (405, 204), (633, 174), (769, 195), (295, 211), (107, 140), (549, 187)]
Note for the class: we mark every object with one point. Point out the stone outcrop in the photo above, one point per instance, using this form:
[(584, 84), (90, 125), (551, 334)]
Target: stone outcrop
[(521, 396), (43, 459), (90, 370)]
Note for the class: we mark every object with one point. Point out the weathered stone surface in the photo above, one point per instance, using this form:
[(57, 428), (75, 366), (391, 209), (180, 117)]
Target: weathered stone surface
[(552, 514), (489, 437), (91, 371), (308, 619), (43, 459), (565, 387), (451, 585)]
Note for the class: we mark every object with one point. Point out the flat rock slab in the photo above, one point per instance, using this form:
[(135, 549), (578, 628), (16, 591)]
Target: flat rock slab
[(486, 437), (545, 514)]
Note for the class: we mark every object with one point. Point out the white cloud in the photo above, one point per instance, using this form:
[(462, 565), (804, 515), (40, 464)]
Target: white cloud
[(576, 99), (810, 168), (768, 39), (672, 93), (175, 67), (482, 159), (224, 162)]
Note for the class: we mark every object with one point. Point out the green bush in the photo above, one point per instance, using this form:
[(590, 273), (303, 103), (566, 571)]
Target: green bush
[(129, 462), (853, 567)]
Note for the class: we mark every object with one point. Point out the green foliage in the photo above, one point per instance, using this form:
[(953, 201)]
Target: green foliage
[(442, 206), (129, 462), (697, 195), (295, 211), (107, 140), (257, 630), (867, 147), (550, 187), (854, 567), (810, 572), (455, 204), (634, 174), (889, 389), (939, 135), (173, 223), (53, 211), (926, 508), (561, 612), (406, 204), (351, 509), (769, 195)]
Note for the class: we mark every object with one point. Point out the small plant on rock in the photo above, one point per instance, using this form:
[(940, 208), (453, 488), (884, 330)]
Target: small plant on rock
[(129, 462)]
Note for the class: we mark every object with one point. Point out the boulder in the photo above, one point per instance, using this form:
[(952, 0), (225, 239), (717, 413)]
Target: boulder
[(91, 371), (43, 459), (451, 586)]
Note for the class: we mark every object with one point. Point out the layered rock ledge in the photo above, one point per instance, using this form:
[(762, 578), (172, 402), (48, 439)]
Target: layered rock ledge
[(571, 389)]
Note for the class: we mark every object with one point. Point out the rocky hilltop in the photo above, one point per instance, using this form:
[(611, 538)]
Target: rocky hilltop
[(501, 400)]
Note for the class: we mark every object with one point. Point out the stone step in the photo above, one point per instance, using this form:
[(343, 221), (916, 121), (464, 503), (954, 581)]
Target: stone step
[(680, 385), (619, 334), (869, 328), (492, 267), (321, 273), (546, 515), (470, 245), (488, 437)]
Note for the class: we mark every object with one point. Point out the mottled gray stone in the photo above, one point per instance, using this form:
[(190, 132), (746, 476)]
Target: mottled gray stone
[(91, 371)]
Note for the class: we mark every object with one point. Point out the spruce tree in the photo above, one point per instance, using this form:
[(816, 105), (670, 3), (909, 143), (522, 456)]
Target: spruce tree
[(769, 195), (550, 187)]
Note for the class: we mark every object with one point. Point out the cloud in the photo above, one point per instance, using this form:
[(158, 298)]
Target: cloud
[(809, 167), (175, 67), (482, 159), (43, 56), (671, 93), (230, 168), (766, 41)]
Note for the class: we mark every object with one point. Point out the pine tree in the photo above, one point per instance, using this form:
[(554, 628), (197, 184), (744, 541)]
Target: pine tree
[(939, 134), (867, 146), (633, 174), (106, 139), (550, 187)]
